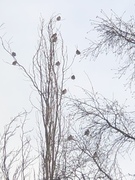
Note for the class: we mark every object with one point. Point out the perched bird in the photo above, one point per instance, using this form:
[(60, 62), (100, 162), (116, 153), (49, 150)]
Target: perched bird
[(13, 54), (54, 35), (95, 154), (57, 63), (64, 91), (87, 132), (14, 63), (73, 77), (70, 138), (58, 18), (78, 52), (54, 39)]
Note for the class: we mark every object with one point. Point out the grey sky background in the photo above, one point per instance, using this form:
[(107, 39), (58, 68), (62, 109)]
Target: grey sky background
[(21, 23)]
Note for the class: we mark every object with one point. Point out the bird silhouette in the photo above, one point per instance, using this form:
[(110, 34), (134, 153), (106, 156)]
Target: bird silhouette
[(14, 63), (58, 18), (78, 52), (64, 91), (95, 154), (73, 77), (87, 132), (54, 35), (70, 138), (57, 63), (13, 54), (54, 39)]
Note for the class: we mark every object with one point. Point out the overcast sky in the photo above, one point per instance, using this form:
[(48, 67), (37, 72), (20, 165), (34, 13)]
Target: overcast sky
[(21, 22)]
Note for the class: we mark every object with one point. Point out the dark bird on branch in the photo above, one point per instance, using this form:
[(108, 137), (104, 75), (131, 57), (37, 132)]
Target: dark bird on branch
[(54, 35), (58, 18), (57, 63), (13, 54), (54, 39), (95, 155), (70, 138), (73, 77), (78, 52), (87, 132), (64, 91), (14, 63)]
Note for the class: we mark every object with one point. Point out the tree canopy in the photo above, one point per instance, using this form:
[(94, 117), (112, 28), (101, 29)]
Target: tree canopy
[(80, 139)]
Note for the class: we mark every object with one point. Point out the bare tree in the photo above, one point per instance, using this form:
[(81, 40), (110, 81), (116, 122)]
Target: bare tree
[(48, 77), (15, 157), (106, 132), (117, 36), (107, 128), (85, 145)]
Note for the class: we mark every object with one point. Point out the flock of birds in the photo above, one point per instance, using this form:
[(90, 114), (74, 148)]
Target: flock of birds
[(57, 64), (71, 137), (64, 91), (53, 39)]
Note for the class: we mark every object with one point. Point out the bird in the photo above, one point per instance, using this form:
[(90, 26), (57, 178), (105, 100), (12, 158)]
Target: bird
[(54, 39), (13, 54), (58, 18), (95, 154), (73, 77), (64, 91), (14, 63), (57, 63), (70, 138), (87, 132), (78, 52), (54, 35)]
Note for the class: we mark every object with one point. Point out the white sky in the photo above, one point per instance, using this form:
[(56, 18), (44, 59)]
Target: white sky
[(21, 21)]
